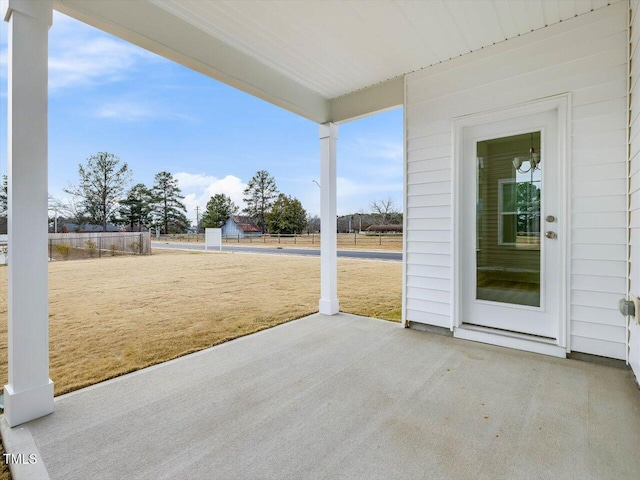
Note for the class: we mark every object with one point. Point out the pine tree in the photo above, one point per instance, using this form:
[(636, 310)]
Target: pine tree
[(287, 216), (258, 196), (169, 210), (219, 208), (136, 210)]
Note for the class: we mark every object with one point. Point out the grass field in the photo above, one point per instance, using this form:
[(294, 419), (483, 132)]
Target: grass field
[(116, 315)]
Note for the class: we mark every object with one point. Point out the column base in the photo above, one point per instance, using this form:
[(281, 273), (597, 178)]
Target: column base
[(22, 407), (329, 307)]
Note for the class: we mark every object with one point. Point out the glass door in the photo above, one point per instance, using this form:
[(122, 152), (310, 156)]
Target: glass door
[(508, 201), (511, 253)]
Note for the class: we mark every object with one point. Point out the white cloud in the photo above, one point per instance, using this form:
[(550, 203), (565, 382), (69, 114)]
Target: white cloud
[(126, 110), (198, 188), (83, 56)]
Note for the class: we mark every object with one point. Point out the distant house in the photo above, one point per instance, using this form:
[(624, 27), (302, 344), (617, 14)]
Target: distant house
[(240, 226)]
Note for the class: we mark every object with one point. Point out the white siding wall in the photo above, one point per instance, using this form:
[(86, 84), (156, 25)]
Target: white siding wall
[(586, 56), (634, 187)]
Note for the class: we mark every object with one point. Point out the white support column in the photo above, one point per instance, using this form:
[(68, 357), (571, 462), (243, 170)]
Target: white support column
[(29, 393), (328, 221)]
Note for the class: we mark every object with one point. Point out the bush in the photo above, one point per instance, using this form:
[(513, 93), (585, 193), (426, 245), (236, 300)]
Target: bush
[(63, 250), (92, 248), (114, 249), (134, 247)]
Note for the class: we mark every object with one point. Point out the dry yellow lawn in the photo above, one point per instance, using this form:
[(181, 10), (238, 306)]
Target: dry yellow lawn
[(115, 315)]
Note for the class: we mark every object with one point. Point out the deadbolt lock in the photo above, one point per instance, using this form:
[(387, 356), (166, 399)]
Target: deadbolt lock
[(550, 218), (551, 235)]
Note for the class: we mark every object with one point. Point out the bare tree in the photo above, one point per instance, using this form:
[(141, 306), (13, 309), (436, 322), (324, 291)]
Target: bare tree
[(103, 181), (385, 211)]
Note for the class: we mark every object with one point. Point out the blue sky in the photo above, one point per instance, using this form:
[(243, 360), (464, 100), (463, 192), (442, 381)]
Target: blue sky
[(108, 95)]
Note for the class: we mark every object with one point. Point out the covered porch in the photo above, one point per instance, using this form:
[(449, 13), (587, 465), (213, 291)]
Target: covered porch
[(345, 397), (334, 396)]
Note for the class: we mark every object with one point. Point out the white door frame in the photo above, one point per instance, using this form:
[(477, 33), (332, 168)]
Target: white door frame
[(560, 103)]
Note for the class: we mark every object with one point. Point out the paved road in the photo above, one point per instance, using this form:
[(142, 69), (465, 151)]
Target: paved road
[(397, 256)]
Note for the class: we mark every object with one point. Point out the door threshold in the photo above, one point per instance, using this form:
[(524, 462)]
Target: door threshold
[(517, 341)]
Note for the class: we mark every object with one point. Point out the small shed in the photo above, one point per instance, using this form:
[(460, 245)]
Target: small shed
[(240, 226)]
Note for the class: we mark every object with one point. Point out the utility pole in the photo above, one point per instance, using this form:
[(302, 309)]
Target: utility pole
[(197, 219)]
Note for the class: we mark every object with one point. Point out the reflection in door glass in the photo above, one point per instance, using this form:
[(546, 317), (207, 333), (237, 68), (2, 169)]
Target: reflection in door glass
[(509, 188)]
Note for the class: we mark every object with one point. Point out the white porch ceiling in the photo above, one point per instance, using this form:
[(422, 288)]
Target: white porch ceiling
[(337, 47), (303, 54)]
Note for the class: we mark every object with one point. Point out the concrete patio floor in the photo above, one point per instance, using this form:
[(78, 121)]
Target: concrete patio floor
[(347, 397)]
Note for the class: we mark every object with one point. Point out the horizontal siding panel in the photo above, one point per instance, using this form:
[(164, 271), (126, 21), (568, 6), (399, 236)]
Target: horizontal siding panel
[(634, 202), (430, 141), (634, 219), (600, 109), (440, 200), (634, 165), (429, 295), (427, 153), (602, 348), (429, 188), (426, 306), (634, 144), (426, 224), (439, 236), (599, 220), (603, 188), (473, 101), (613, 203), (429, 318), (605, 316), (430, 165), (427, 271), (441, 284), (592, 236), (599, 252), (437, 212), (595, 283), (607, 171), (598, 331), (428, 235), (605, 268), (605, 123), (418, 127), (595, 299), (634, 184), (530, 64), (600, 140), (615, 88), (597, 156), (437, 248), (435, 260), (634, 240), (430, 177)]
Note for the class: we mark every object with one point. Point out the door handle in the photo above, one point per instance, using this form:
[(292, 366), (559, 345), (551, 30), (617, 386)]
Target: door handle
[(551, 235)]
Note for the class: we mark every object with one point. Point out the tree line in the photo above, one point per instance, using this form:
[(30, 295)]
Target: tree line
[(103, 196), (271, 210)]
